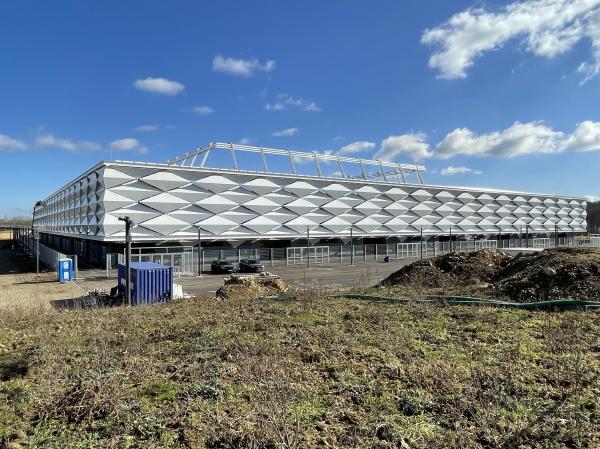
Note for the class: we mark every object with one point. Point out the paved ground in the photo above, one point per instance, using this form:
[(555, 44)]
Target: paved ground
[(334, 276), (21, 288)]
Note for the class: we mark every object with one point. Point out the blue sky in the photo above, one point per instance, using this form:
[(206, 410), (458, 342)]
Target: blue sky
[(498, 94)]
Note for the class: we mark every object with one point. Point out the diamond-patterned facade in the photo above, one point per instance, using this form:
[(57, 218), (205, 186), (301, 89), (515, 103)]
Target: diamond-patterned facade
[(171, 203)]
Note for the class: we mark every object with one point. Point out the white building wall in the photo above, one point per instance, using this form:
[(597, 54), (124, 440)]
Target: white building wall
[(170, 203)]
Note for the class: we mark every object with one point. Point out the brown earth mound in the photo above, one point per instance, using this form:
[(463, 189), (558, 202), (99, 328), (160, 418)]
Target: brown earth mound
[(251, 287), (559, 273), (449, 270)]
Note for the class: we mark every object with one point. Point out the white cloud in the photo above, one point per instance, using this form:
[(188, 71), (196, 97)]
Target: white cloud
[(161, 86), (203, 110), (8, 143), (451, 171), (592, 198), (288, 132), (128, 144), (585, 138), (413, 145), (357, 147), (520, 139), (146, 128), (49, 140), (241, 67), (285, 101), (245, 141), (547, 28)]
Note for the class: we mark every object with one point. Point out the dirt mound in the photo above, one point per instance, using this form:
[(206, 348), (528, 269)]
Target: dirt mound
[(558, 273), (251, 287), (550, 274), (450, 270)]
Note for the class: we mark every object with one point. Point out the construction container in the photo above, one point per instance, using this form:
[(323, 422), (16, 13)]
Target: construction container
[(64, 270), (150, 283)]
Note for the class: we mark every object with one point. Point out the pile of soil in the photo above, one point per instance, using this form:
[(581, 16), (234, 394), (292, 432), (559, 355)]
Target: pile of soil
[(450, 270), (558, 273), (252, 287)]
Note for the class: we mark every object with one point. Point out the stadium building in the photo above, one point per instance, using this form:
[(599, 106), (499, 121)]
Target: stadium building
[(271, 197)]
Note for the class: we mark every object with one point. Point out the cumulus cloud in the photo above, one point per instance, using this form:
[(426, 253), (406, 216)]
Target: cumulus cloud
[(203, 110), (288, 132), (161, 86), (241, 67), (285, 101), (412, 145), (128, 144), (520, 139), (245, 141), (8, 143), (357, 147), (51, 141), (545, 28), (451, 171)]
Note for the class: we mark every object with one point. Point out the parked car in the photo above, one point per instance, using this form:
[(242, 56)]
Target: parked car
[(221, 266), (251, 266)]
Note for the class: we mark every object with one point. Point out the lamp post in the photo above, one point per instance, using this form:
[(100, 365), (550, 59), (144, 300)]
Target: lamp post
[(36, 237), (128, 226), (199, 252), (307, 246), (421, 242), (351, 247)]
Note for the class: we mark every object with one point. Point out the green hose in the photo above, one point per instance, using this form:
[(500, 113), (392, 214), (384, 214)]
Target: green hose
[(557, 304)]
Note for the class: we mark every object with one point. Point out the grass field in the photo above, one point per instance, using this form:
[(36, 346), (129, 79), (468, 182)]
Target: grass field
[(300, 374)]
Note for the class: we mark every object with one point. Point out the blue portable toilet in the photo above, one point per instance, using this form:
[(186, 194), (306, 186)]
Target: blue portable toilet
[(150, 282), (65, 270)]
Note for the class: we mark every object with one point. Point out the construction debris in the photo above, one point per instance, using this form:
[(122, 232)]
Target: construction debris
[(251, 287)]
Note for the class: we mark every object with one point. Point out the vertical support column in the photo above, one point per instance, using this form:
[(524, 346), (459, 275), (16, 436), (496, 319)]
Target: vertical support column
[(421, 242)]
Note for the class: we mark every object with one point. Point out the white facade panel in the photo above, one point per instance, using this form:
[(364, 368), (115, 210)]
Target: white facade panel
[(172, 202)]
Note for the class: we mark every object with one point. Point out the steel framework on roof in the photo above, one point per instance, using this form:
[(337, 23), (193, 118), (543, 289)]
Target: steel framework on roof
[(386, 171)]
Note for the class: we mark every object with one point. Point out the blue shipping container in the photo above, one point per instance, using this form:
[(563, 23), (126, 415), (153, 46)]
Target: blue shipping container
[(65, 270), (150, 282)]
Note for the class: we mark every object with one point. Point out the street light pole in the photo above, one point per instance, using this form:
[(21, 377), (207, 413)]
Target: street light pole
[(308, 246), (128, 226), (351, 247), (199, 252), (36, 237)]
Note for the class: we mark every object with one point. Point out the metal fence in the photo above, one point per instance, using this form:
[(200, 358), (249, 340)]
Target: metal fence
[(184, 260), (301, 254), (48, 256)]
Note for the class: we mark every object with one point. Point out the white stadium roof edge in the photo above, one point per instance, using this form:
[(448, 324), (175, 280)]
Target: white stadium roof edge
[(172, 201)]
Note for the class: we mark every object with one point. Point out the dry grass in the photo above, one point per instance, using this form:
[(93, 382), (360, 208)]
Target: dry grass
[(300, 374)]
